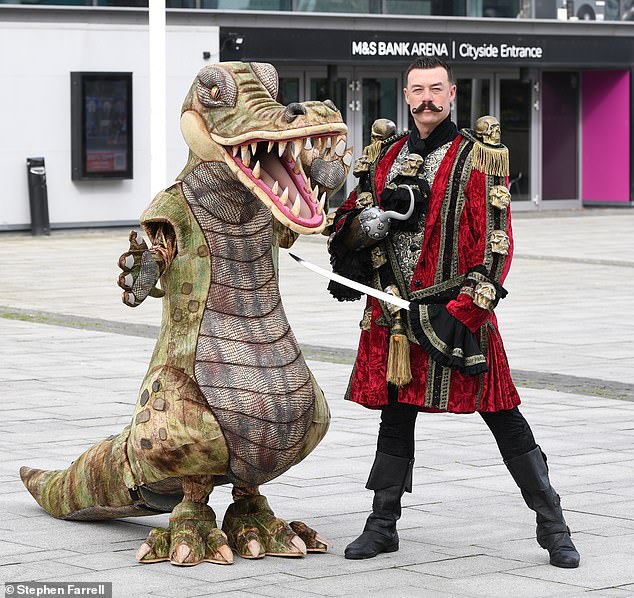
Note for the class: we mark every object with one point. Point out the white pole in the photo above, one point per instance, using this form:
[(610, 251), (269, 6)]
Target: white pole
[(158, 127)]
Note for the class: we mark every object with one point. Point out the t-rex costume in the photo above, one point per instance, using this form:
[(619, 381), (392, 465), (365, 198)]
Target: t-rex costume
[(227, 396)]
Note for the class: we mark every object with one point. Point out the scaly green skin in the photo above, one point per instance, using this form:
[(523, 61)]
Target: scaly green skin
[(176, 446)]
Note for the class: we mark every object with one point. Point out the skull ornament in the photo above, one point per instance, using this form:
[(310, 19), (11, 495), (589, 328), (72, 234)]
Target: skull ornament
[(500, 242), (487, 128), (412, 165), (361, 166), (484, 295), (382, 128), (364, 200), (500, 197)]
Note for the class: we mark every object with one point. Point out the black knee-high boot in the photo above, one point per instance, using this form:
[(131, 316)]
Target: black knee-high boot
[(390, 477), (530, 473)]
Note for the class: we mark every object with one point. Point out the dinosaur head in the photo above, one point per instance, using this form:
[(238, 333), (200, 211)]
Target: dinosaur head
[(231, 115)]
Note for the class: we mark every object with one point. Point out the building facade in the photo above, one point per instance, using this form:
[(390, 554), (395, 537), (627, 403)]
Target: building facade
[(562, 89)]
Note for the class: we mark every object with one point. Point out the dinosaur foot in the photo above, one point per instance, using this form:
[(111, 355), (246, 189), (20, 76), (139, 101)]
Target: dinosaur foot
[(253, 531), (192, 538)]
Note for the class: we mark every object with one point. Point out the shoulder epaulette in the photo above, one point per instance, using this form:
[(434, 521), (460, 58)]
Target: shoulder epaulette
[(487, 158)]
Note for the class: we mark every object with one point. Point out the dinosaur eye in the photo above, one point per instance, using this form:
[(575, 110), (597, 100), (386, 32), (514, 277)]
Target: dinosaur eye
[(216, 87)]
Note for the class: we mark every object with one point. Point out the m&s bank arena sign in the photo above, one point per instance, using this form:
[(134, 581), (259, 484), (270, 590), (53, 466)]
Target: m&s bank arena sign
[(447, 50)]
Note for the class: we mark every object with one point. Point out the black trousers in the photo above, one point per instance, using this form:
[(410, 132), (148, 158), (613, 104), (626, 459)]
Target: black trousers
[(396, 430)]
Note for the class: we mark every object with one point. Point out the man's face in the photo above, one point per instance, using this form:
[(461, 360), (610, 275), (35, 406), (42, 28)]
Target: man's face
[(429, 85)]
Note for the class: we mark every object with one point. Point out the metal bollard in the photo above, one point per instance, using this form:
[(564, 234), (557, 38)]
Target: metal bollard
[(38, 196)]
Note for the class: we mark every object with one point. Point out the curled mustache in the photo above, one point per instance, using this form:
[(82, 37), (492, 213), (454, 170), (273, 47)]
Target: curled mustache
[(427, 104)]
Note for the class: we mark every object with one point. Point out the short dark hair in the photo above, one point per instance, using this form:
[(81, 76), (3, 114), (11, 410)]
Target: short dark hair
[(429, 62)]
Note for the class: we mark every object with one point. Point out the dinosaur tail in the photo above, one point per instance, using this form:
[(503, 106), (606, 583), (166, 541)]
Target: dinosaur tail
[(94, 487)]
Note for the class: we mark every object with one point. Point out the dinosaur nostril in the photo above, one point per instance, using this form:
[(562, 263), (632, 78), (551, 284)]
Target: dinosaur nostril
[(293, 110)]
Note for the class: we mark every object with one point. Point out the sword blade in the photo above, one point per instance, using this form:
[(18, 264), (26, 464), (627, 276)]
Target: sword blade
[(357, 286)]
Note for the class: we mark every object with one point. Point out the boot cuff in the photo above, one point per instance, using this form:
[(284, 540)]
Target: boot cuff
[(388, 471), (529, 470)]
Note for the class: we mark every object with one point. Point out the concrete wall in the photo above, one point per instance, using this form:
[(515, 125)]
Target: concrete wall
[(35, 65)]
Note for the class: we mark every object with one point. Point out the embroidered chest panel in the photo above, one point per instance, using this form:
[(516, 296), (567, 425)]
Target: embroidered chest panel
[(407, 245)]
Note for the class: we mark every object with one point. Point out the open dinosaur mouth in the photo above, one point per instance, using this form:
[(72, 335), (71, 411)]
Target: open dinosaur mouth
[(274, 168)]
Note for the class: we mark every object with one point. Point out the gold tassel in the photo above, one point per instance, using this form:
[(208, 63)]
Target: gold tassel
[(490, 160), (399, 371)]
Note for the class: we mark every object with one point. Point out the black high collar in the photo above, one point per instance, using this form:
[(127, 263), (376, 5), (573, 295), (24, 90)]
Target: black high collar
[(445, 132)]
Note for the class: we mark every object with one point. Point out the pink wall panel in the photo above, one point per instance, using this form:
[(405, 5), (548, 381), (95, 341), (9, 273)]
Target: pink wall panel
[(605, 134)]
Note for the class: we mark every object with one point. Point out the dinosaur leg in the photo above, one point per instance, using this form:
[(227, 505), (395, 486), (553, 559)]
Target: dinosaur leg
[(193, 536), (94, 487), (254, 531)]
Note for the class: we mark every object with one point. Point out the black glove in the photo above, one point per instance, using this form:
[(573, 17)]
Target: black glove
[(396, 196)]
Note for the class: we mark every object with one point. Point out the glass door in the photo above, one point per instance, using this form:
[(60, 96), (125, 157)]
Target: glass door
[(514, 111), (560, 136), (373, 94), (474, 98)]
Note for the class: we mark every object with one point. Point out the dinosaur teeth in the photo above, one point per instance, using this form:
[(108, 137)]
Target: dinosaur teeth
[(234, 150), (254, 148), (297, 206), (321, 204), (347, 158), (296, 148), (314, 194), (245, 155), (340, 148), (308, 145), (275, 188), (256, 170), (270, 147), (297, 167), (328, 143), (284, 196), (281, 147), (308, 186)]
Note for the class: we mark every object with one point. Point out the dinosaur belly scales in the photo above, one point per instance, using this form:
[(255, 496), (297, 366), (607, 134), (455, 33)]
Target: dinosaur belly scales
[(247, 357)]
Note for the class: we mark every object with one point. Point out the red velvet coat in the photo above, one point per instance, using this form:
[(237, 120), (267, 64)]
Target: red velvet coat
[(490, 391)]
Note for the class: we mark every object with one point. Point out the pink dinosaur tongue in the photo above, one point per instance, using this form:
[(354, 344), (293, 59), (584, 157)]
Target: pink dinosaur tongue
[(283, 180)]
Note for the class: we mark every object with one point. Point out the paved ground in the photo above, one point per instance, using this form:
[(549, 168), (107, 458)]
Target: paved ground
[(72, 357)]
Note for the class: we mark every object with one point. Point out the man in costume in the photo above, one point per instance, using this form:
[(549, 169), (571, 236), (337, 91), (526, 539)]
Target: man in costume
[(449, 258)]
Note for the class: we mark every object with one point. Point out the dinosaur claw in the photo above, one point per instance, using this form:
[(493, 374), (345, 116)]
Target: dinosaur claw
[(254, 548), (320, 540), (299, 544), (181, 553), (129, 299), (143, 551), (225, 554)]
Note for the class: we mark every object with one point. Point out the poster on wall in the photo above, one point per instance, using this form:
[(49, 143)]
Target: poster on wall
[(101, 125)]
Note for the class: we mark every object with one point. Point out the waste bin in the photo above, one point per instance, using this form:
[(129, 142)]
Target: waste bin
[(38, 196)]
